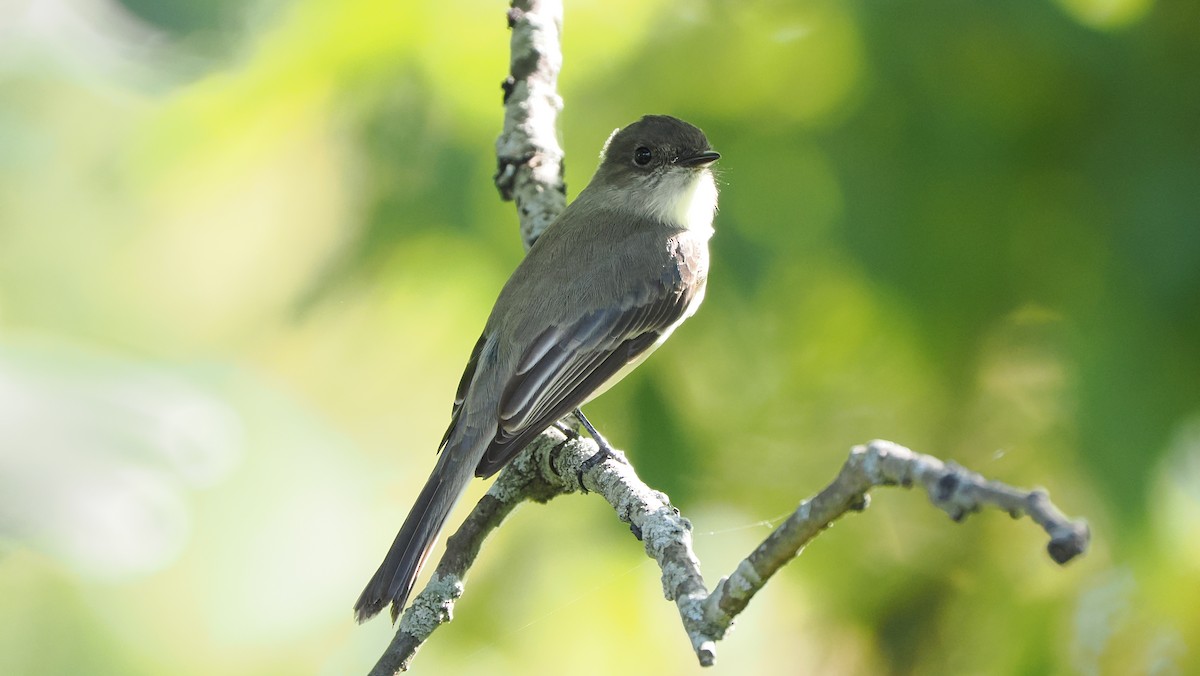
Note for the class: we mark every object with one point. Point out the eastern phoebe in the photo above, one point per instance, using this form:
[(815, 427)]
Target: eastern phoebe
[(601, 288)]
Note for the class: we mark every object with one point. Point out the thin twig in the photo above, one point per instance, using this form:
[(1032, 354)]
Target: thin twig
[(951, 488), (551, 466), (530, 171), (434, 606), (529, 159)]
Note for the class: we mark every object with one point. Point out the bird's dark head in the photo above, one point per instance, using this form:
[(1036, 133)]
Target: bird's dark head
[(660, 164), (654, 143)]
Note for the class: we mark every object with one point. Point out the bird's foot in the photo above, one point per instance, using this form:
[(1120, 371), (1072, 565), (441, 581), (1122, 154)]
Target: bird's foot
[(600, 456), (567, 430), (606, 451)]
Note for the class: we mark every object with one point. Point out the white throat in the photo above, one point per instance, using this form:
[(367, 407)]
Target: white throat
[(686, 200)]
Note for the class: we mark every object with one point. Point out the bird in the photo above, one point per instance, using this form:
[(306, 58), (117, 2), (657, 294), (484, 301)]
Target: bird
[(602, 287)]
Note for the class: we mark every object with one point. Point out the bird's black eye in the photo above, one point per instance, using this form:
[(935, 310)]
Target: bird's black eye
[(642, 155)]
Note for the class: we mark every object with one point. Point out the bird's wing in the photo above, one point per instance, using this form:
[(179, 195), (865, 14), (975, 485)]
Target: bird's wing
[(565, 364), (464, 384)]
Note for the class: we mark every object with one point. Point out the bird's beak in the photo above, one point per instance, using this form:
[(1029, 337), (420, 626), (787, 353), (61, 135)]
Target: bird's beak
[(702, 160)]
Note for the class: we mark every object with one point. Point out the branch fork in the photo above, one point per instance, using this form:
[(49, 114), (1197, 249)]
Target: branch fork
[(554, 463), (529, 171)]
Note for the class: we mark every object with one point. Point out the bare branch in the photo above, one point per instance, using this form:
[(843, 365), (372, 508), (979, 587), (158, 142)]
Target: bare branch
[(529, 158), (951, 488), (434, 606), (530, 171), (551, 466)]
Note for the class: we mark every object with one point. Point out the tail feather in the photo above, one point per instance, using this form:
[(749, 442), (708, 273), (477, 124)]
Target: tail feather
[(394, 580)]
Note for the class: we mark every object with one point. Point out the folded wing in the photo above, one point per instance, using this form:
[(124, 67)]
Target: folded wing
[(564, 365)]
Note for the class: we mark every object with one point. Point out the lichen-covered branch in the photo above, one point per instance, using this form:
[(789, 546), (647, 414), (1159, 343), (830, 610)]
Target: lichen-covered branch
[(551, 466), (951, 488), (530, 171), (529, 158), (434, 606)]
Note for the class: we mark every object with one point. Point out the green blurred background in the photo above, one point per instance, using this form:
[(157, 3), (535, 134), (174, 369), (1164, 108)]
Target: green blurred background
[(245, 248)]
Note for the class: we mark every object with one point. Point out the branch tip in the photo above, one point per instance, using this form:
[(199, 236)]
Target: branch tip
[(1069, 541), (530, 171)]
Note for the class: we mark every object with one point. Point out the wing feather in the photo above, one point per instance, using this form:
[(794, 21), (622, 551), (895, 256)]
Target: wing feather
[(566, 363), (464, 384), (561, 374)]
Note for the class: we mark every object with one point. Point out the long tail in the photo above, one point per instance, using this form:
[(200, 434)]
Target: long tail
[(394, 580)]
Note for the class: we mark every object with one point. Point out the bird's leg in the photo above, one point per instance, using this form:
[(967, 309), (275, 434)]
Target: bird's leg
[(569, 431), (606, 451)]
